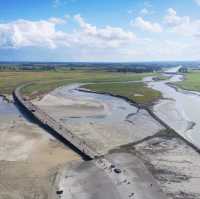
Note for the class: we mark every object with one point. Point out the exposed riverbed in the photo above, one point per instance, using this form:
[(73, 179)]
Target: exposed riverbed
[(104, 122), (30, 158)]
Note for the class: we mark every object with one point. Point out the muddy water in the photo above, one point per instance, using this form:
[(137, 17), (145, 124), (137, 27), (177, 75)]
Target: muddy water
[(180, 110)]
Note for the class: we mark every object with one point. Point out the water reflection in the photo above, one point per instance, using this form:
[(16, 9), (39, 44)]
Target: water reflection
[(8, 111), (115, 109)]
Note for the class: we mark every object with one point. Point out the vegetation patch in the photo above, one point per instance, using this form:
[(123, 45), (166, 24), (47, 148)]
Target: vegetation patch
[(110, 82), (191, 81), (137, 92), (45, 81)]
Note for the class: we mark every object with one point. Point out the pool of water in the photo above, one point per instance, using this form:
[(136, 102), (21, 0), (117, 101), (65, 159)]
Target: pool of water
[(8, 111), (114, 109)]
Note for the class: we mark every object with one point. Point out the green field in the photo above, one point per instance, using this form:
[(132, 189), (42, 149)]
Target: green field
[(44, 82), (137, 92), (191, 81)]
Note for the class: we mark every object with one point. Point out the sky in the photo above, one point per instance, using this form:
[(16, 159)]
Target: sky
[(99, 31)]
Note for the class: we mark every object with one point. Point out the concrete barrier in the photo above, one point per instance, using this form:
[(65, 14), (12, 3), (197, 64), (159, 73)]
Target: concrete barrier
[(56, 127)]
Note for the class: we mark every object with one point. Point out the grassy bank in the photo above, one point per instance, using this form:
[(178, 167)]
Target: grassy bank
[(43, 82), (137, 92), (48, 80), (191, 81)]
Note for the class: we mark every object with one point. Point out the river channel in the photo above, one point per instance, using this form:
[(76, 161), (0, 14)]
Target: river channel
[(105, 123), (179, 109)]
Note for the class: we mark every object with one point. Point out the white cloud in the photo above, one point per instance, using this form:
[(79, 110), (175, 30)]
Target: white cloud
[(139, 22), (23, 33), (103, 37), (56, 20), (182, 25), (44, 33), (92, 43), (172, 19)]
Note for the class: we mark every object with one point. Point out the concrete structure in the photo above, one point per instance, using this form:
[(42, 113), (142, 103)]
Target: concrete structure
[(58, 129)]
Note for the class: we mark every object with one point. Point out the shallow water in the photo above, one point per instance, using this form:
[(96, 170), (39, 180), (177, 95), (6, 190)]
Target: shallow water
[(104, 122), (8, 111), (181, 111), (115, 109)]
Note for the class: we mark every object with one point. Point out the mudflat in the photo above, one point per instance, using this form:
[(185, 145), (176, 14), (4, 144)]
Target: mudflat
[(29, 159), (103, 122)]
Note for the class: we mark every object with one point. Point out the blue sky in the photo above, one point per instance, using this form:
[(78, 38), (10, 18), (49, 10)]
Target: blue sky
[(106, 30)]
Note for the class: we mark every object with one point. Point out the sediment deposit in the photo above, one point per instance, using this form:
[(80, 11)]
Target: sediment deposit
[(103, 122)]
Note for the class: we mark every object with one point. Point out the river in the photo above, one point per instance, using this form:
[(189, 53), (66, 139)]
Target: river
[(179, 109)]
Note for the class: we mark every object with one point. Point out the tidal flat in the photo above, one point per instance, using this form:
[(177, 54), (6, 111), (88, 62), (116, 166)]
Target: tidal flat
[(136, 150), (29, 157), (103, 122)]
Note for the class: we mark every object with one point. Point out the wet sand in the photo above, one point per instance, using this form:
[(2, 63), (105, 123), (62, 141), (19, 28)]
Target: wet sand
[(103, 122), (29, 157), (98, 179), (173, 163), (34, 165)]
